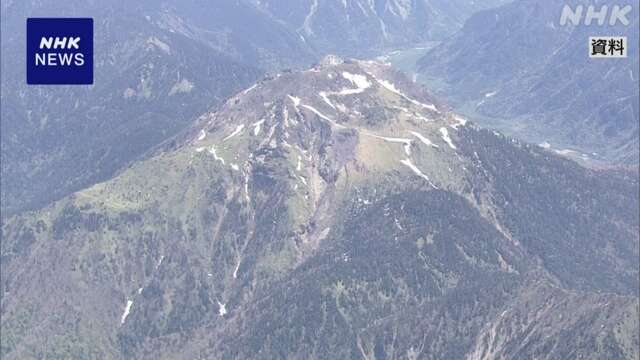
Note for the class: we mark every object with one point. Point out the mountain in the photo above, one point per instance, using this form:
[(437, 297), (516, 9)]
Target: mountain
[(366, 28), (157, 67), (516, 68), (336, 212), (160, 64)]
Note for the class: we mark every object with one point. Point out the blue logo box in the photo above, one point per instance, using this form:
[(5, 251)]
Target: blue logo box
[(59, 51)]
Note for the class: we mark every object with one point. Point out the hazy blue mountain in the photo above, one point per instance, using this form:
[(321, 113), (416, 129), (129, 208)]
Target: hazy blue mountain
[(367, 27), (337, 212), (518, 69), (157, 66)]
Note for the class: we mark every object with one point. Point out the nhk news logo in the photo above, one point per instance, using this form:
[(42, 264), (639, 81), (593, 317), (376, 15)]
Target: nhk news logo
[(59, 51)]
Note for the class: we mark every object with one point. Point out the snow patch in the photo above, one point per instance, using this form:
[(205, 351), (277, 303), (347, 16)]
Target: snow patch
[(446, 138), (212, 151), (565, 152), (235, 132), (321, 115), (408, 163), (295, 100), (360, 81), (324, 97), (248, 90), (406, 142), (246, 182), (127, 309), (398, 224), (423, 139), (202, 135), (460, 121), (391, 87), (257, 126), (222, 311)]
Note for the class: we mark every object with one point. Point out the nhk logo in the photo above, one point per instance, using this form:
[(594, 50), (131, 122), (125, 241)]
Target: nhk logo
[(56, 58), (575, 15), (59, 51)]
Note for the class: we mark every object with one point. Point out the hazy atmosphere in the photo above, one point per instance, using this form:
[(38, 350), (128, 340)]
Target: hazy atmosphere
[(320, 179)]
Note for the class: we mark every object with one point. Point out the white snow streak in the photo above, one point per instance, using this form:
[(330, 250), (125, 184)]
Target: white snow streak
[(446, 138), (257, 126), (250, 88), (417, 171), (360, 81), (202, 135), (460, 121), (321, 115), (212, 151), (391, 87), (406, 142), (424, 139), (237, 131), (296, 100), (324, 97), (127, 309)]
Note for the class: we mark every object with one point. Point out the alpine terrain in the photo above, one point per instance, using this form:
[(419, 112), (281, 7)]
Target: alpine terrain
[(333, 213), (519, 69)]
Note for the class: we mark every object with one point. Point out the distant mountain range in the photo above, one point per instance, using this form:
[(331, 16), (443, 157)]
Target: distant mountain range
[(336, 212), (516, 68), (365, 28)]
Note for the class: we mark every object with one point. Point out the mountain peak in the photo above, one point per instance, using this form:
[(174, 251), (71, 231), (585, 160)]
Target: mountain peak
[(358, 114)]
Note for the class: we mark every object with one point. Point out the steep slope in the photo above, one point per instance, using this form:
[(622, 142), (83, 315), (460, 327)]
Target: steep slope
[(153, 75), (518, 69), (365, 28), (339, 212)]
